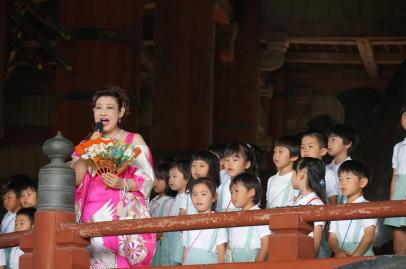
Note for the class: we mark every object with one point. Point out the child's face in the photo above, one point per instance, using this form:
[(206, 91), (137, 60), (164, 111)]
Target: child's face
[(177, 181), (202, 198), (351, 185), (241, 196), (403, 121), (336, 145), (310, 147), (23, 223), (28, 198), (11, 201), (199, 168), (236, 164), (281, 157), (159, 186), (108, 112)]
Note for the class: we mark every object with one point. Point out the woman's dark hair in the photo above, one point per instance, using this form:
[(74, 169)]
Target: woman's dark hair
[(209, 183), (162, 173), (402, 111), (316, 171), (249, 181), (116, 92), (249, 152), (213, 163)]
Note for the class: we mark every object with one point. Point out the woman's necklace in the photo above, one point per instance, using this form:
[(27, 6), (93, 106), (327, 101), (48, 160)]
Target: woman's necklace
[(117, 136)]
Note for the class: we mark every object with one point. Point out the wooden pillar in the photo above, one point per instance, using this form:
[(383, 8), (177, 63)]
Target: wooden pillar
[(3, 17), (277, 115), (183, 91), (236, 89), (105, 49)]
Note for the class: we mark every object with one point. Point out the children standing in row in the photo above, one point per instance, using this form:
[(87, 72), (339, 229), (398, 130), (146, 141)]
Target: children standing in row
[(352, 237), (279, 191)]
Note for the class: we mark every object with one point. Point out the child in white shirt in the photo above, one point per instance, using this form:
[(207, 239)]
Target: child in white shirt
[(351, 238), (251, 243), (279, 188)]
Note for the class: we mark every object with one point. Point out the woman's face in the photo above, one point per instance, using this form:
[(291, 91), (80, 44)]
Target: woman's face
[(108, 112)]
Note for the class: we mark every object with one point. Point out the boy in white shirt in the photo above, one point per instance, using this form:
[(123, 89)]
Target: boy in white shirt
[(342, 140), (351, 238), (247, 244), (279, 188), (314, 144), (24, 221)]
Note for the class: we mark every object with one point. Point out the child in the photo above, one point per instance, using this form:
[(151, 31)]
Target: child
[(352, 237), (24, 222), (341, 142), (218, 150), (2, 259), (29, 196), (247, 244), (314, 144), (203, 164), (279, 190), (204, 246), (239, 157), (309, 179), (398, 188), (171, 248)]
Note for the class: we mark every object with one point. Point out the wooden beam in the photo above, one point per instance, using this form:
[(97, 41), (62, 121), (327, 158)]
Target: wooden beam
[(223, 12), (342, 58), (347, 40), (367, 56)]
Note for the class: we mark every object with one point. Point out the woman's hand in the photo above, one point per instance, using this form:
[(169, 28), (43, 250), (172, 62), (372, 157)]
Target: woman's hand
[(95, 135), (113, 181)]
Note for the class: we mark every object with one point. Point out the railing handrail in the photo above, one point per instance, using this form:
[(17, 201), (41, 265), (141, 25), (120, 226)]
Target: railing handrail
[(379, 209)]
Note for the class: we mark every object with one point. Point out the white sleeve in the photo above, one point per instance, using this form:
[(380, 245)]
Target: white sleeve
[(395, 156), (221, 237), (183, 203), (369, 222), (2, 257), (331, 183), (268, 192), (263, 230), (333, 228)]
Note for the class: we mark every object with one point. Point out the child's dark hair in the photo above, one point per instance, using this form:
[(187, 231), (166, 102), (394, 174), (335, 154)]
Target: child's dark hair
[(209, 183), (29, 212), (356, 167), (249, 181), (292, 143), (402, 111), (183, 166), (249, 152), (162, 173), (213, 163), (116, 92), (347, 134), (218, 150), (316, 171), (321, 138), (17, 183)]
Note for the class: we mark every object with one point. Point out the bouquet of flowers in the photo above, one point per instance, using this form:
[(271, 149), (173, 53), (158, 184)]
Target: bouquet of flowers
[(107, 155)]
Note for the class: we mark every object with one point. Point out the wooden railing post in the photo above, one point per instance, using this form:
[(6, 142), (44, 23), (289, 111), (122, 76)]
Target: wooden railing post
[(50, 247), (289, 240)]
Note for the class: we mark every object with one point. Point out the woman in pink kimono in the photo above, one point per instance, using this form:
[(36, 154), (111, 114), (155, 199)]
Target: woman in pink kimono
[(111, 197)]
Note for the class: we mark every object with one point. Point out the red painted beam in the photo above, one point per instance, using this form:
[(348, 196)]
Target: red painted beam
[(241, 218)]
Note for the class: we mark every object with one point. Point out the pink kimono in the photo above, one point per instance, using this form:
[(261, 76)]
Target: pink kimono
[(94, 202)]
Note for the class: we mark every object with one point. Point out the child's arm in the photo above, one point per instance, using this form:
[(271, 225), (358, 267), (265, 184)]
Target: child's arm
[(317, 236), (182, 211), (263, 251), (366, 241), (333, 243), (332, 200), (392, 182), (221, 250)]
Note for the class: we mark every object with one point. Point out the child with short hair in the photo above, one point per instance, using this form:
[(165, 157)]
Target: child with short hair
[(314, 144), (342, 140), (247, 244), (309, 179), (203, 164), (351, 238), (398, 188), (29, 195), (171, 248), (204, 246), (239, 157), (218, 150), (24, 221), (279, 189)]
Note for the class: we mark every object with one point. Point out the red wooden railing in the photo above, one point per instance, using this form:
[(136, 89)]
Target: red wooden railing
[(57, 242)]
